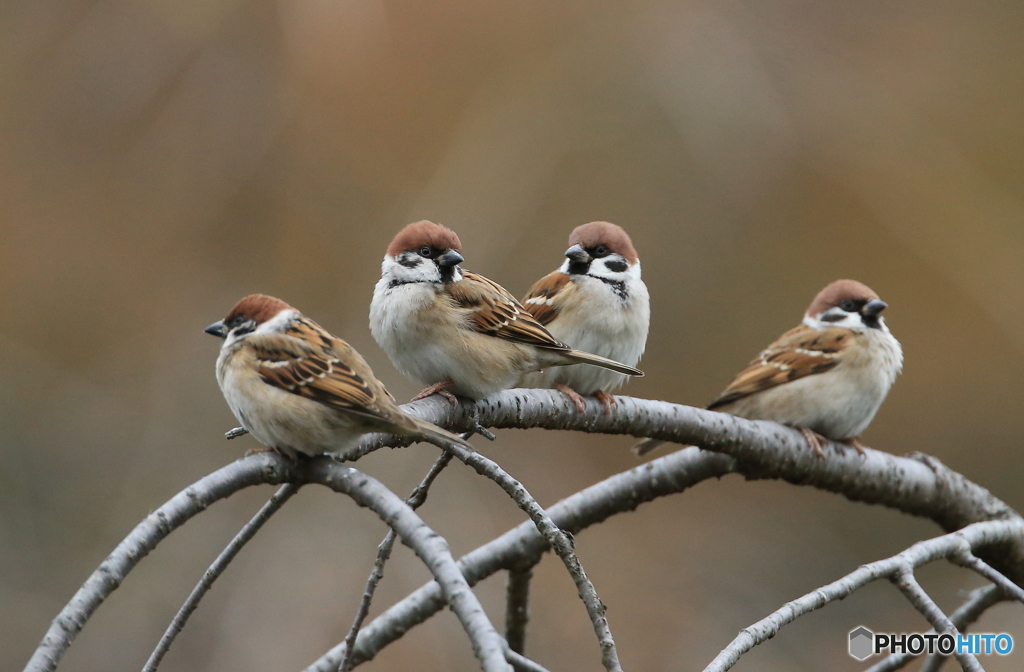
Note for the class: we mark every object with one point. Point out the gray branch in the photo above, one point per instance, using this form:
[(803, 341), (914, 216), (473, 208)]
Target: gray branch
[(978, 535), (415, 500), (968, 612), (557, 540), (517, 607), (216, 569), (524, 545), (922, 601), (488, 645)]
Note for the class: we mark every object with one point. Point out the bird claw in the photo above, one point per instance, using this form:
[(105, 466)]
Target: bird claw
[(854, 443), (606, 400), (438, 388), (574, 396), (813, 441)]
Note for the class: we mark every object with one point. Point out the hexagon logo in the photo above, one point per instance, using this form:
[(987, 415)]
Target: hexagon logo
[(862, 643)]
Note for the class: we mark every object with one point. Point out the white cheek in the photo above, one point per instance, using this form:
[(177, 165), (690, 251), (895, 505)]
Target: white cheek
[(424, 271)]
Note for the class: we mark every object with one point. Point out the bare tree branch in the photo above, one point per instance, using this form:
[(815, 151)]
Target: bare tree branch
[(977, 535), (415, 500), (920, 485), (521, 663), (968, 612), (517, 606), (216, 569), (143, 539), (622, 492), (557, 539), (488, 645), (916, 595)]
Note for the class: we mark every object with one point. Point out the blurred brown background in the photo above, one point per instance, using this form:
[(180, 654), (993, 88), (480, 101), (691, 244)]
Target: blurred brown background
[(159, 159)]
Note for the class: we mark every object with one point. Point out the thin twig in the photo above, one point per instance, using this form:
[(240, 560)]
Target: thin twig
[(916, 595), (488, 646), (517, 607), (283, 494), (968, 612), (558, 539), (522, 663), (414, 501), (976, 535), (625, 491), (260, 468), (967, 559)]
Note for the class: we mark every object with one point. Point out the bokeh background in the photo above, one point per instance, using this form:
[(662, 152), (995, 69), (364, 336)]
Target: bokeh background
[(159, 159)]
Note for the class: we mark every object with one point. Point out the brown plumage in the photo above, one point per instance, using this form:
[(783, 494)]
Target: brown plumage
[(803, 351), (541, 301), (827, 377), (298, 389), (594, 234), (424, 233)]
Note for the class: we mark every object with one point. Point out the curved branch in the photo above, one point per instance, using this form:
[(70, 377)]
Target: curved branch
[(898, 568), (556, 539), (917, 484), (108, 576), (524, 544), (432, 549), (968, 612), (216, 569)]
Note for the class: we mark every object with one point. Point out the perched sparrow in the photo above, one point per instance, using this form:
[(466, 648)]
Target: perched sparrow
[(826, 377), (298, 389), (450, 328), (595, 302)]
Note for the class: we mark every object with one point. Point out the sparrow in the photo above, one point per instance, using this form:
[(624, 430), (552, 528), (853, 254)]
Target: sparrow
[(595, 302), (452, 329), (827, 377), (298, 389)]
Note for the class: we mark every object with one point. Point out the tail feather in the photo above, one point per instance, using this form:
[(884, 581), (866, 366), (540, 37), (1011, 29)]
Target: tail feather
[(645, 446), (605, 363), (432, 431)]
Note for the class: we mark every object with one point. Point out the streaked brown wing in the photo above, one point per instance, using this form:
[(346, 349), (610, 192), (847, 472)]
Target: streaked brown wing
[(495, 312), (309, 362), (541, 300), (800, 352)]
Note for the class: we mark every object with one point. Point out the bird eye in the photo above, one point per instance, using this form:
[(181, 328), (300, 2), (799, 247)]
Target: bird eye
[(425, 251), (601, 251), (849, 306)]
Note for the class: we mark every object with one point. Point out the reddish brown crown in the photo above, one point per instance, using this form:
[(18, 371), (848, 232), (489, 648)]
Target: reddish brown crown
[(258, 307), (589, 236), (418, 234), (837, 292)]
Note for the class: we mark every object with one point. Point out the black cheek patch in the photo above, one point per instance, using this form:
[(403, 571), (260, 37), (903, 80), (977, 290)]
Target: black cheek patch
[(409, 260), (833, 317), (615, 266)]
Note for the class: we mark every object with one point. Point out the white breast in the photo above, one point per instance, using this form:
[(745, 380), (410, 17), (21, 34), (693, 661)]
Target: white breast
[(838, 404), (602, 323)]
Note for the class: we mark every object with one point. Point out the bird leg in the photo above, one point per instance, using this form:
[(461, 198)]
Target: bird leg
[(606, 400), (854, 442), (581, 405), (438, 388), (813, 440)]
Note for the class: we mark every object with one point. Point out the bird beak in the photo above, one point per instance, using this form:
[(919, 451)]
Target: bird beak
[(873, 308), (578, 255), (217, 329), (450, 258)]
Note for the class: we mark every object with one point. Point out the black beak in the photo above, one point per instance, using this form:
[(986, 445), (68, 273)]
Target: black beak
[(217, 329), (450, 258), (873, 308), (578, 255)]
